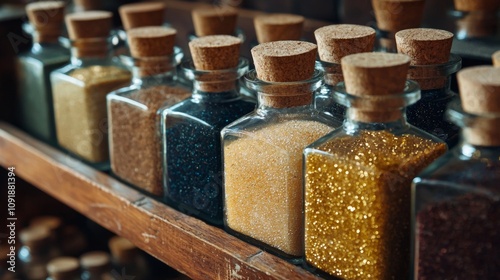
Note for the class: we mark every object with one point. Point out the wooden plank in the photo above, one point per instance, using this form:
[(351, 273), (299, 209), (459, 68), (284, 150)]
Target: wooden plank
[(187, 244)]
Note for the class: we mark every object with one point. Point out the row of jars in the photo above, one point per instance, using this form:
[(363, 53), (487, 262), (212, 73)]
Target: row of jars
[(294, 174)]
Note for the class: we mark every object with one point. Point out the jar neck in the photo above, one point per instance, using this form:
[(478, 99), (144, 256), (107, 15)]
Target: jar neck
[(45, 38), (393, 121), (215, 85), (435, 78), (333, 72), (92, 51), (386, 41)]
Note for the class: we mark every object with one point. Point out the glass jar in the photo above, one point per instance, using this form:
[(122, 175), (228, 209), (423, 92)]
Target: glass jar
[(96, 265), (191, 140), (456, 215), (428, 113), (324, 100), (36, 111), (134, 120), (80, 90), (357, 187), (127, 260), (263, 160)]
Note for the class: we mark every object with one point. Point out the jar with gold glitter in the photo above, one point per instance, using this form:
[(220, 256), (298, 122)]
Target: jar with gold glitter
[(456, 200), (80, 88), (263, 151), (357, 178)]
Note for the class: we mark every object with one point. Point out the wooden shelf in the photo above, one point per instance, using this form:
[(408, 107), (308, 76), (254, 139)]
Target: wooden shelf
[(187, 244)]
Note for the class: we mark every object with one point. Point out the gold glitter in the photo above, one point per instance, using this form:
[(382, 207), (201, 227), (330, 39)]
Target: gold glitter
[(357, 203), (263, 183), (80, 109)]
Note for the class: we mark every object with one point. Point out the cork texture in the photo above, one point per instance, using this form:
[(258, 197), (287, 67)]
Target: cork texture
[(63, 267), (395, 15), (92, 24), (278, 27), (376, 74), (210, 20), (480, 94), (284, 61), (425, 46), (215, 52), (88, 5), (142, 14), (47, 18), (122, 249), (476, 5), (496, 59), (151, 41), (337, 41)]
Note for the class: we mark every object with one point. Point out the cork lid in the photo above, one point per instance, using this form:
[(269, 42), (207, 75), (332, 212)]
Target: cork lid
[(215, 52), (142, 14), (425, 46), (88, 5), (339, 40), (92, 24), (122, 249), (395, 15), (209, 20), (35, 236), (480, 95), (47, 18), (53, 223), (476, 5), (277, 27), (284, 61), (151, 41), (63, 268), (96, 261), (496, 59)]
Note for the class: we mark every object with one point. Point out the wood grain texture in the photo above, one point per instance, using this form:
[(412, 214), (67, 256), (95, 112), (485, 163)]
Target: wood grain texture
[(189, 245)]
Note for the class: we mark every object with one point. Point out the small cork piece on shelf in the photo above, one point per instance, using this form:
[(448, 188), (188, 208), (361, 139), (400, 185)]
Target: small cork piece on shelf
[(35, 236), (425, 46), (496, 59), (122, 249), (339, 40), (215, 52), (209, 20), (282, 62), (47, 18), (96, 261), (480, 95), (85, 27), (396, 15), (53, 223), (278, 27), (63, 268), (142, 14), (376, 74), (477, 5)]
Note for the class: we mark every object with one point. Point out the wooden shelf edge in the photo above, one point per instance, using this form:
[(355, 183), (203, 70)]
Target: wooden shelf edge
[(187, 244)]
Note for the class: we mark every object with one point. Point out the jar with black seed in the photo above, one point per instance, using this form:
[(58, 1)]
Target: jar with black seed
[(456, 215)]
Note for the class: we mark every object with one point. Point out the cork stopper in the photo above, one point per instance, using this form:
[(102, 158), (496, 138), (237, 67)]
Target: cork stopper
[(216, 52), (90, 30), (88, 5), (395, 15), (281, 62), (425, 46), (53, 223), (476, 5), (376, 74), (47, 18), (480, 95), (152, 47), (123, 250), (142, 14), (35, 236), (496, 59), (209, 20), (278, 27), (96, 262), (63, 268), (339, 40)]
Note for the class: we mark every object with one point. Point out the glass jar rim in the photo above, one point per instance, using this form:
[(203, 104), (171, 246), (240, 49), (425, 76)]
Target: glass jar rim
[(456, 114), (410, 95), (452, 66), (173, 59), (187, 66), (254, 83)]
